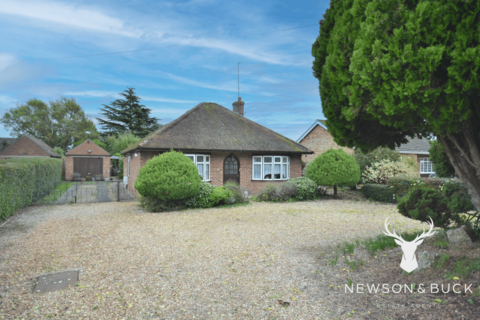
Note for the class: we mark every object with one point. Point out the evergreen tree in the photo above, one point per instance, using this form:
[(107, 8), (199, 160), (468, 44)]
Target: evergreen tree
[(127, 115), (441, 164), (394, 69)]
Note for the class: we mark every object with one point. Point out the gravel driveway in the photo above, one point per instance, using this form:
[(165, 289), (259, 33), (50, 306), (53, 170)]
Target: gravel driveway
[(254, 262)]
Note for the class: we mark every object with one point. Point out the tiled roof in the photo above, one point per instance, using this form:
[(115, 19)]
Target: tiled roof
[(42, 145), (415, 145), (210, 126), (9, 142)]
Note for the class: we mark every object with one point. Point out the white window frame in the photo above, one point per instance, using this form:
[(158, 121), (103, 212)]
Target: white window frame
[(284, 161), (206, 163), (425, 162)]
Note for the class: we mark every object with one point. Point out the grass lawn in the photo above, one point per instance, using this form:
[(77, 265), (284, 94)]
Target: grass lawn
[(57, 192)]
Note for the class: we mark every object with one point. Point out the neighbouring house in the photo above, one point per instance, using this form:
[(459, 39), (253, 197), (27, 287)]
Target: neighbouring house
[(28, 146), (417, 149), (88, 159), (224, 145), (5, 143), (318, 139)]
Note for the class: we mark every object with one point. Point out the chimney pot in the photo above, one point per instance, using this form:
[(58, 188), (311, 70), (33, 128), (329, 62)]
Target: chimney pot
[(238, 106)]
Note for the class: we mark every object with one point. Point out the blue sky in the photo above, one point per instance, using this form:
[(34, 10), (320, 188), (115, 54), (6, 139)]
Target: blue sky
[(199, 44)]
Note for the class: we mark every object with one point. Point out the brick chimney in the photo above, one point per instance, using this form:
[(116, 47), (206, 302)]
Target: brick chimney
[(238, 106)]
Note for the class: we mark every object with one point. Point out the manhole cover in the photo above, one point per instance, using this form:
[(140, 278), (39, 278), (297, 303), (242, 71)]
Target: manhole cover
[(55, 281)]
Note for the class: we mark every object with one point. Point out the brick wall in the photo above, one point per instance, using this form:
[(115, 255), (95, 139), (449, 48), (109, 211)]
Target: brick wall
[(135, 165), (24, 147), (216, 169), (320, 140), (416, 158), (68, 168), (83, 148)]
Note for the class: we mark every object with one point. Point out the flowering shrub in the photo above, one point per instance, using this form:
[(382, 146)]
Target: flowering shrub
[(380, 172)]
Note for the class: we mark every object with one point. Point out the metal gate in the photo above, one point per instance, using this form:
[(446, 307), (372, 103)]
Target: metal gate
[(88, 166), (85, 192)]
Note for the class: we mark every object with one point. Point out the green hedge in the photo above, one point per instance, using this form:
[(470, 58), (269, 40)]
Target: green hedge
[(25, 180), (378, 192)]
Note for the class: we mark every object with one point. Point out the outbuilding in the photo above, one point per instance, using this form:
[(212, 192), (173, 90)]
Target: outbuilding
[(88, 159)]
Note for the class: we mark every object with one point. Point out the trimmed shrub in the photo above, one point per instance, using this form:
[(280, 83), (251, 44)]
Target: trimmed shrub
[(305, 188), (170, 176), (26, 180), (380, 172), (334, 168), (282, 192), (157, 205), (423, 203), (219, 196), (238, 193), (402, 184), (202, 198), (378, 192)]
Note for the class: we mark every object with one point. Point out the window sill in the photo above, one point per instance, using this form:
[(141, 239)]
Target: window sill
[(271, 180)]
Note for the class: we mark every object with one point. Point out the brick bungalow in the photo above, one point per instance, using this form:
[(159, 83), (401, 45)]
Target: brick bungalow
[(224, 145), (28, 146), (318, 139), (87, 158), (417, 149)]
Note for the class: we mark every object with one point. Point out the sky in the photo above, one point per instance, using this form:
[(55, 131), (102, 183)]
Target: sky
[(175, 54)]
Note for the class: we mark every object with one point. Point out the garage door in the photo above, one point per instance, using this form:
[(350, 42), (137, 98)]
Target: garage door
[(88, 166)]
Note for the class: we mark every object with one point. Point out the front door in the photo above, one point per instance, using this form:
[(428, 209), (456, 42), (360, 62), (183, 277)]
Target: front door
[(231, 170)]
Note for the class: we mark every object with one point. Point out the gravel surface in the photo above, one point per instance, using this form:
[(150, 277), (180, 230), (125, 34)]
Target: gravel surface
[(253, 262)]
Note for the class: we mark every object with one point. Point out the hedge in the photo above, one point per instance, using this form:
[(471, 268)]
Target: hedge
[(25, 180), (378, 192)]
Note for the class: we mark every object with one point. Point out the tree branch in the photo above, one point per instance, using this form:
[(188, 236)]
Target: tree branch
[(462, 152)]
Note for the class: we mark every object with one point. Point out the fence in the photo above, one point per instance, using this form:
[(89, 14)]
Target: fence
[(85, 192)]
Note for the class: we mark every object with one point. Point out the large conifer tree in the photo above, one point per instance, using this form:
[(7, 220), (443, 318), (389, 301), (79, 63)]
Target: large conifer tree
[(127, 115), (393, 69)]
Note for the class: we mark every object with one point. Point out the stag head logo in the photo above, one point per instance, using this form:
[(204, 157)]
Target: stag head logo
[(409, 261)]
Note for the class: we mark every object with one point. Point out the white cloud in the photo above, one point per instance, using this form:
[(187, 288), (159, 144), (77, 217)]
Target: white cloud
[(167, 100), (91, 93), (7, 59), (7, 100), (66, 14)]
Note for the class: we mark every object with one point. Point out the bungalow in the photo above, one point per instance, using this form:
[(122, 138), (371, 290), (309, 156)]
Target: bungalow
[(28, 146), (417, 149), (224, 145), (318, 139)]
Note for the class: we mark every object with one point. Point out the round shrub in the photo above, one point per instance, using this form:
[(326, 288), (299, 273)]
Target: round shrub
[(170, 176), (269, 193), (220, 195), (202, 198), (306, 189), (424, 203), (334, 168)]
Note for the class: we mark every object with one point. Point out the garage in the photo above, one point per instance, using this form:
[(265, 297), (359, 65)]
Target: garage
[(87, 159), (88, 166)]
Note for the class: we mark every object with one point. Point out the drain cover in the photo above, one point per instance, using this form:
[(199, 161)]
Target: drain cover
[(55, 281)]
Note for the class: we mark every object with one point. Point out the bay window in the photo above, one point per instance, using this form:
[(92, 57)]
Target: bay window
[(271, 168), (202, 161)]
